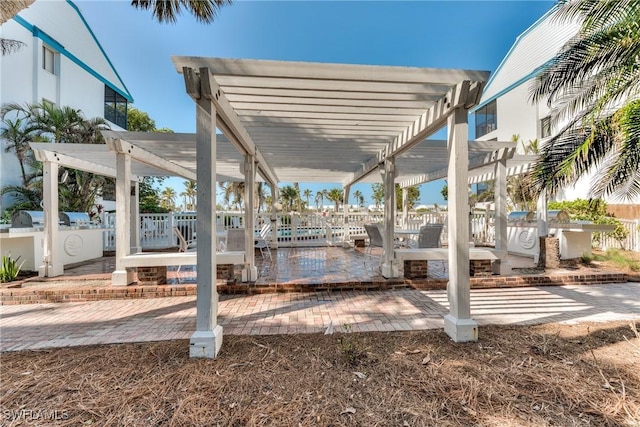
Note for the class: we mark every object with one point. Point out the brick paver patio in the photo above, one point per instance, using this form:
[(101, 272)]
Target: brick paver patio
[(36, 326)]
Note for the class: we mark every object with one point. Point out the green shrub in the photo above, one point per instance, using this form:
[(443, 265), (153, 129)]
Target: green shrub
[(9, 269)]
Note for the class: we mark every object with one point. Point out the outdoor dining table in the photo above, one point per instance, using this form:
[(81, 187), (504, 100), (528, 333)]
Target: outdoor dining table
[(407, 235)]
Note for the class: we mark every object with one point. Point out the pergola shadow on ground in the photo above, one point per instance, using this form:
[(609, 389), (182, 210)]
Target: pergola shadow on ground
[(118, 321)]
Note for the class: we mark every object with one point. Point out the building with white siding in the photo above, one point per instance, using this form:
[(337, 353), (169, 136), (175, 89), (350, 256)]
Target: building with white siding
[(61, 62), (506, 109)]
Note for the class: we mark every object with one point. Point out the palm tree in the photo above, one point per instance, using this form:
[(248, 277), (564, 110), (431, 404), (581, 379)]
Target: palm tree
[(190, 193), (359, 197), (307, 194), (168, 198), (336, 196), (319, 199), (289, 196), (233, 193), (594, 83), (18, 135), (377, 194), (261, 195), (47, 122), (167, 11)]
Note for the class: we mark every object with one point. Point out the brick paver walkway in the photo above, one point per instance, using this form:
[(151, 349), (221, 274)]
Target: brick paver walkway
[(36, 326)]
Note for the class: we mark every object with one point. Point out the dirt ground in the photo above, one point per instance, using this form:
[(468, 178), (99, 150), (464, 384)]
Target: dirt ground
[(560, 375)]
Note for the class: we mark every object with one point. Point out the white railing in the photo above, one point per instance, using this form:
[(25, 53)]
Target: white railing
[(320, 230), (630, 243)]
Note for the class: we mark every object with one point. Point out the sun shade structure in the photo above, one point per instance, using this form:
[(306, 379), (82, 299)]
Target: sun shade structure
[(342, 116), (311, 122)]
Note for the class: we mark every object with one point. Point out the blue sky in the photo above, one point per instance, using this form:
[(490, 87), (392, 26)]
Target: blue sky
[(442, 34)]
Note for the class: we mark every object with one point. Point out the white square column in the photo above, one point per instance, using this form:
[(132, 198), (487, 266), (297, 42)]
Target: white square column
[(52, 258), (250, 272), (345, 217), (274, 216), (405, 207), (389, 264), (458, 323), (207, 339), (500, 224), (122, 277), (134, 229)]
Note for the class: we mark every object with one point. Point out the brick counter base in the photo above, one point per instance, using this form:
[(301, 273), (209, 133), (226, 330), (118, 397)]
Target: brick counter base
[(31, 296)]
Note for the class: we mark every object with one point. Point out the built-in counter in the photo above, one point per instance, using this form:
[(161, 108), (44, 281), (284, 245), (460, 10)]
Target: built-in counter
[(76, 244)]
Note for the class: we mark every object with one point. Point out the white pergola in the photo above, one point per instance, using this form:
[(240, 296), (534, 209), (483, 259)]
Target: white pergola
[(311, 122)]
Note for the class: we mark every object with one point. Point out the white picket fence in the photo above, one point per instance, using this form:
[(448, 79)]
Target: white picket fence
[(294, 230)]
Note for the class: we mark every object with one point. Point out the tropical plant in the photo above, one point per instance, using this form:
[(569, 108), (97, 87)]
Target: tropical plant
[(593, 83), (190, 193), (47, 122), (319, 199), (359, 197), (168, 11), (307, 194), (168, 198), (336, 195), (377, 195), (261, 195), (521, 189), (233, 193), (413, 195), (18, 134), (9, 269), (288, 197)]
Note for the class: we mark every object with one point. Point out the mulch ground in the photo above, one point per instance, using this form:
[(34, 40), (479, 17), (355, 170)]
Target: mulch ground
[(560, 375)]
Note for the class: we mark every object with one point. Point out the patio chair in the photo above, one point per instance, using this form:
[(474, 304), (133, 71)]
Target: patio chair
[(375, 241), (183, 246), (260, 241), (429, 236), (235, 239)]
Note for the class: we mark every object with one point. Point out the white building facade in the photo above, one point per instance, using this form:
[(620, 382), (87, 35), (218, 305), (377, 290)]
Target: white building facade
[(62, 62), (506, 108)]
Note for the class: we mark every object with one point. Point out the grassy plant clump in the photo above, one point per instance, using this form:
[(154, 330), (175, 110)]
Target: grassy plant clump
[(9, 269), (620, 259)]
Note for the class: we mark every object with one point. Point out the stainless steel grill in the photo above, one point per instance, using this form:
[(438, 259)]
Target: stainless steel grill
[(74, 218), (27, 219)]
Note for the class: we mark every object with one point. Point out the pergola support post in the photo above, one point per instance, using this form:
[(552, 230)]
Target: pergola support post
[(345, 216), (135, 218), (249, 272), (274, 216), (206, 341), (405, 207), (122, 277), (458, 323), (389, 266), (500, 222), (52, 260)]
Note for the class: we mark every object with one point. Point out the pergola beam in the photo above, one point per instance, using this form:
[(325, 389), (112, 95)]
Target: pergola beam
[(43, 155), (120, 146), (465, 94), (474, 163), (230, 124)]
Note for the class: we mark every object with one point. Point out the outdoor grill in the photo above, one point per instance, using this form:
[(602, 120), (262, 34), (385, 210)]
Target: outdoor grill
[(27, 219), (574, 236), (74, 218), (529, 217)]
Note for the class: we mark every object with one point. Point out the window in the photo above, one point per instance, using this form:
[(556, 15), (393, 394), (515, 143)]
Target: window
[(545, 127), (486, 119), (115, 107), (48, 60)]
